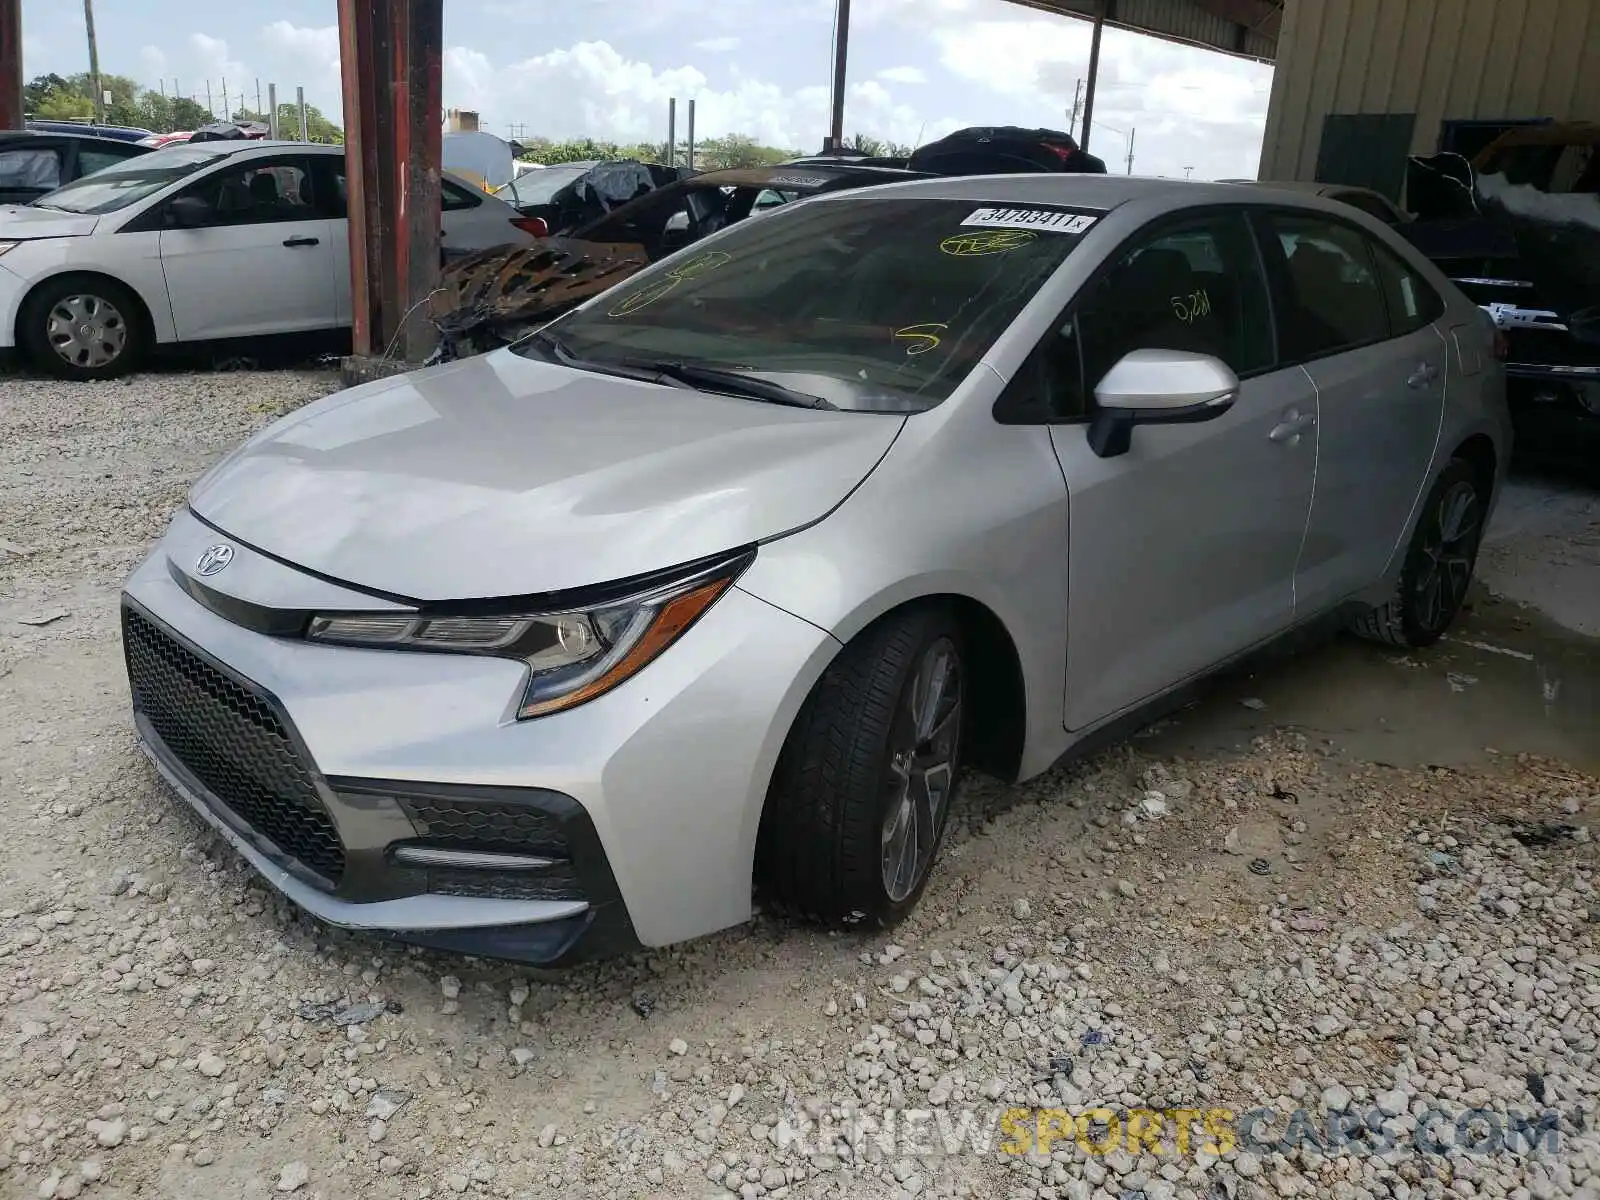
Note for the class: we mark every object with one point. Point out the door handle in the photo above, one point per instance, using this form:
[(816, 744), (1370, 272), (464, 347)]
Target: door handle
[(1425, 374), (1292, 426), (302, 241)]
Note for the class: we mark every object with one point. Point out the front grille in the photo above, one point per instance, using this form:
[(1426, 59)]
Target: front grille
[(507, 828), (234, 741), (468, 825)]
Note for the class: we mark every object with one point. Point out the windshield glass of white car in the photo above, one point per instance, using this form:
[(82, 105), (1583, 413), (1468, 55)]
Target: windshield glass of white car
[(129, 181), (859, 303)]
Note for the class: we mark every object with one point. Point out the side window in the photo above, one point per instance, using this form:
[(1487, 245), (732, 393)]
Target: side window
[(90, 161), (455, 197), (1410, 299), (328, 187), (258, 192), (1196, 286), (34, 168), (1335, 302)]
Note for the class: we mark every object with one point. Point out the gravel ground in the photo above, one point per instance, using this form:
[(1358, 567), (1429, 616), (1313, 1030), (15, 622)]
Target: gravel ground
[(1267, 923)]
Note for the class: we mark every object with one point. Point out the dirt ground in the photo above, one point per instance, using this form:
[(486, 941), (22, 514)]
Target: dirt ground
[(1349, 881)]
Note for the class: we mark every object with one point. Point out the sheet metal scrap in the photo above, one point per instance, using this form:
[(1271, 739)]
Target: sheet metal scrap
[(486, 298)]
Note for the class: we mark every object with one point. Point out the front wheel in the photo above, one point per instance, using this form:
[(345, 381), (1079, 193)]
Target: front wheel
[(1438, 566), (859, 801), (83, 328)]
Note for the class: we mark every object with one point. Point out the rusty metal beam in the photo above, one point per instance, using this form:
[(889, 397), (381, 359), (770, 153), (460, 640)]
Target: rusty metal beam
[(391, 54), (10, 64)]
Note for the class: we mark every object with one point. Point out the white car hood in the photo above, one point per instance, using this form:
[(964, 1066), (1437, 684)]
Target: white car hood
[(501, 476), (20, 222)]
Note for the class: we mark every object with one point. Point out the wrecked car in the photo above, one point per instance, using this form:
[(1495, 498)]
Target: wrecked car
[(1518, 230), (491, 298), (567, 195)]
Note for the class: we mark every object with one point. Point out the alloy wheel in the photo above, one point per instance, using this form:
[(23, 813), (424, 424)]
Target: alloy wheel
[(86, 330), (1449, 549), (924, 740)]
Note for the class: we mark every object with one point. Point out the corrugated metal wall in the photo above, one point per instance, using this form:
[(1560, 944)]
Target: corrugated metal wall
[(1440, 59)]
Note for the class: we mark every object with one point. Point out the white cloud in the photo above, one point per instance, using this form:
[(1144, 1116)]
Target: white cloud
[(153, 61), (592, 90), (718, 45), (903, 75), (210, 57)]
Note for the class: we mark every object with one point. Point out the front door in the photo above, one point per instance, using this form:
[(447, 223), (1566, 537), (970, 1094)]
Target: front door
[(261, 262), (1362, 321), (1182, 551)]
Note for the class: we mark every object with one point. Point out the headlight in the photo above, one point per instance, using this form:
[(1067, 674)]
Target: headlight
[(572, 656)]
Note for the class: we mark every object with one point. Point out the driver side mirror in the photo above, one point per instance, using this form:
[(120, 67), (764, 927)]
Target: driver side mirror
[(188, 212), (1158, 387)]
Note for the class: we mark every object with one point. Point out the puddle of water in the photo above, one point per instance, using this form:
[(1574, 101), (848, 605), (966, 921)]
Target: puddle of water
[(1504, 680)]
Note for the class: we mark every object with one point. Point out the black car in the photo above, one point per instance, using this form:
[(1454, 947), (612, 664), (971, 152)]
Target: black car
[(1005, 150), (1518, 230), (570, 194), (33, 163)]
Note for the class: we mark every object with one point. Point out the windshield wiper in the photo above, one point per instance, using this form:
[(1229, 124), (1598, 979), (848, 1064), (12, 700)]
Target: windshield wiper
[(735, 383), (559, 352)]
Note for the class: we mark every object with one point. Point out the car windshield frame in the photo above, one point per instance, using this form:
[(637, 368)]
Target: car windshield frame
[(122, 185), (872, 303)]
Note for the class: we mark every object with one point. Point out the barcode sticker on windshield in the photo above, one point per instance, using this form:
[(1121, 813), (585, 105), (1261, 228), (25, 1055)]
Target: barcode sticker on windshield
[(1030, 218)]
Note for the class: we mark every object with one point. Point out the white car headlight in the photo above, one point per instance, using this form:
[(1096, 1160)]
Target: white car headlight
[(572, 656)]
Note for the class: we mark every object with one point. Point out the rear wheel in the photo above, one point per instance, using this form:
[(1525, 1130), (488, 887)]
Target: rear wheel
[(83, 327), (1439, 564), (862, 791)]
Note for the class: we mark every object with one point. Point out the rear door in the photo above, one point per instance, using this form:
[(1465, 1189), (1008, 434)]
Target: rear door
[(263, 261), (1361, 322)]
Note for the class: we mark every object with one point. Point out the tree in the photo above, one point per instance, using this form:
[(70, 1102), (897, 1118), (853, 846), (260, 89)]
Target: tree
[(40, 88)]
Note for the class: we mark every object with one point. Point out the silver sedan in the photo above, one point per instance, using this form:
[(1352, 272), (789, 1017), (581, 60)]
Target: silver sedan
[(711, 589)]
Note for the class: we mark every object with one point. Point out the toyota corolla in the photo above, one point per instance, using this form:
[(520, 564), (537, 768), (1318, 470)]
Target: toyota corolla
[(711, 589)]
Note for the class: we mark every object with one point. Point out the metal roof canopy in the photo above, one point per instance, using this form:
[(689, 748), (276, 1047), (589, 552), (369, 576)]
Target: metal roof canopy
[(1242, 28)]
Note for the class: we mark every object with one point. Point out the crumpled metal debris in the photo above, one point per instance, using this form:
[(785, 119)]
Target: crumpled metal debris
[(342, 1013), (491, 298)]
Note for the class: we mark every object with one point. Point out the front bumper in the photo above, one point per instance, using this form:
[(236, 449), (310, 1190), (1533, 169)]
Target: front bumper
[(321, 763)]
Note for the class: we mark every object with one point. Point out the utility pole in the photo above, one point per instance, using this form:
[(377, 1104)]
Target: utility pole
[(1077, 107), (260, 112), (227, 113), (690, 155), (94, 63), (1188, 172), (272, 116), (300, 100), (210, 108), (672, 131), (1131, 132), (11, 65)]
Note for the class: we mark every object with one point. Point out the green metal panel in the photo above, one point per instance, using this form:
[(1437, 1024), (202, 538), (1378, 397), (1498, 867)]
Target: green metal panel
[(1366, 150)]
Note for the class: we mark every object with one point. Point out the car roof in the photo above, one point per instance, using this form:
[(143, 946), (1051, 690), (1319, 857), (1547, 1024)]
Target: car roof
[(93, 139), (1101, 192)]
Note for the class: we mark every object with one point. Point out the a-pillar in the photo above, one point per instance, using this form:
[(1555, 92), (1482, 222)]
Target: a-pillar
[(10, 64), (391, 56)]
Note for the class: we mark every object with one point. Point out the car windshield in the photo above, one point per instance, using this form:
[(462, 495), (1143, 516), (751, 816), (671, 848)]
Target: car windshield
[(537, 187), (871, 304), (121, 184)]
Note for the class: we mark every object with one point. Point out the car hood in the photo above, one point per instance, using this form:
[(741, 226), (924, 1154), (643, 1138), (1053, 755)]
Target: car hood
[(20, 222), (503, 476)]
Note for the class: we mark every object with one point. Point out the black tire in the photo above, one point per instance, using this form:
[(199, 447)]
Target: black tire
[(1438, 566), (852, 760), (111, 337)]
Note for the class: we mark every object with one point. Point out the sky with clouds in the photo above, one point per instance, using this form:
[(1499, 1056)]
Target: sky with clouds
[(606, 68)]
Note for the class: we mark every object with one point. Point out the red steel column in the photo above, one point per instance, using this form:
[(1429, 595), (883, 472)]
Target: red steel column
[(391, 53), (10, 64)]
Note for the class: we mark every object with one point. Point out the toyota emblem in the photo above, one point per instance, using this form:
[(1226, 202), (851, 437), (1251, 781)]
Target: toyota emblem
[(214, 559)]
